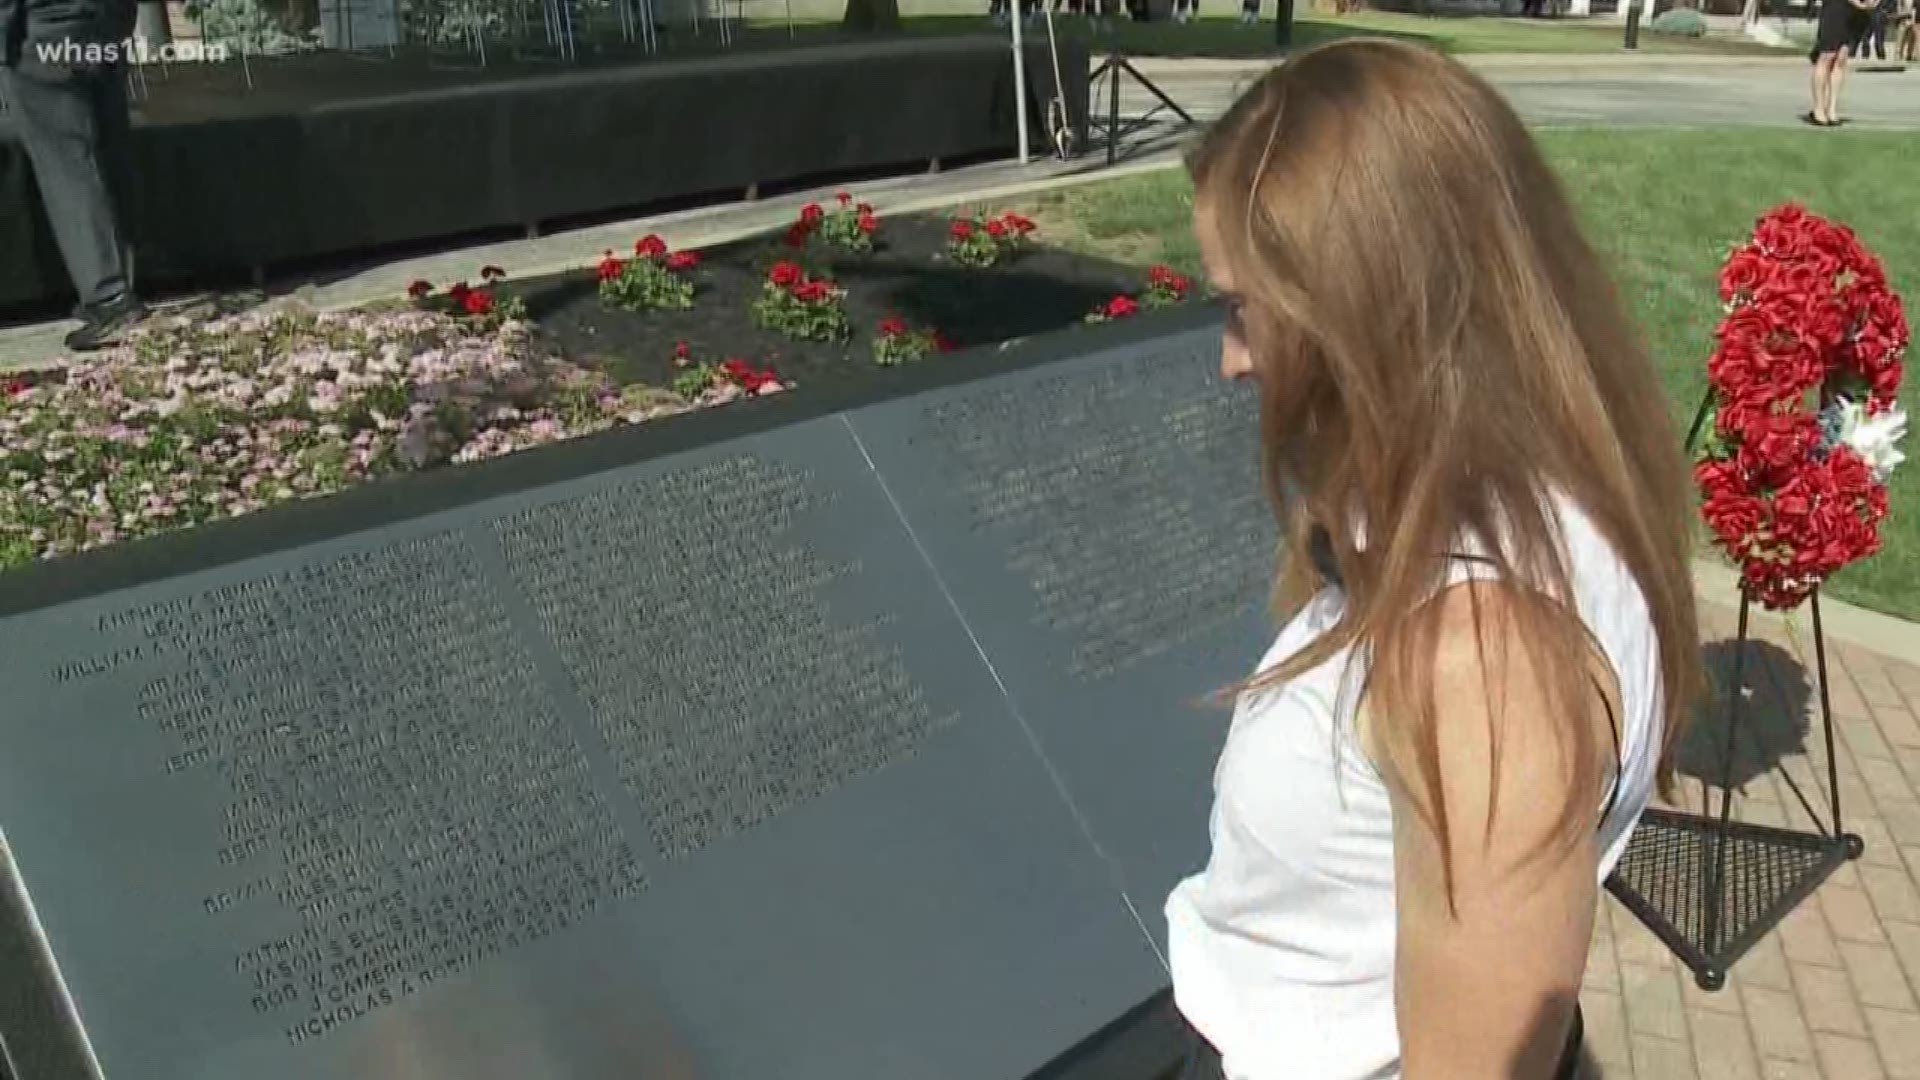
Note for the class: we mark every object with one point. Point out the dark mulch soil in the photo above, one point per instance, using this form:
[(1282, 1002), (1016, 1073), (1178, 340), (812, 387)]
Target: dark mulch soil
[(908, 275)]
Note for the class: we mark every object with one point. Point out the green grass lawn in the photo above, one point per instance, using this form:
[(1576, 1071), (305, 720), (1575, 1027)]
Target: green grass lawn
[(1664, 207), (1226, 38)]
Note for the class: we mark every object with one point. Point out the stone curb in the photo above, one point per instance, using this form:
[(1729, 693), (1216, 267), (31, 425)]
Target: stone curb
[(1888, 635), (1572, 63), (714, 234)]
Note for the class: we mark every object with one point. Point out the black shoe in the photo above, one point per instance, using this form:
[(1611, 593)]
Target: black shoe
[(102, 325)]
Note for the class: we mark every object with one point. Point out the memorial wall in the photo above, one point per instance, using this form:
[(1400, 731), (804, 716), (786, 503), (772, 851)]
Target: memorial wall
[(862, 745)]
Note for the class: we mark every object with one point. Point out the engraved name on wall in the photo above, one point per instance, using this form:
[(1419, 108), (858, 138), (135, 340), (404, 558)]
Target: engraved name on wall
[(1127, 495), (403, 799), (699, 629)]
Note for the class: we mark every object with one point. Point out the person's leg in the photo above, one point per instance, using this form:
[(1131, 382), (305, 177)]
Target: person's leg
[(1879, 35), (57, 118), (1822, 63), (113, 117), (1836, 81)]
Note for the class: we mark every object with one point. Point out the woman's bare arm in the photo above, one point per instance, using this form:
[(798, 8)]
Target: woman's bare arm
[(1486, 988)]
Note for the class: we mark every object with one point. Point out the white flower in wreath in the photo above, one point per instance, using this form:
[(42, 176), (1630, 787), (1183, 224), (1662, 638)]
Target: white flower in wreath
[(1875, 438)]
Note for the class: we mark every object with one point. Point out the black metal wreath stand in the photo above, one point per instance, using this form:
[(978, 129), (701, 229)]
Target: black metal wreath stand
[(1711, 887)]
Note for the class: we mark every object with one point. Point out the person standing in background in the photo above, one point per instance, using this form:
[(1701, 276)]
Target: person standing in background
[(63, 75), (1842, 22), (1249, 12), (1879, 21)]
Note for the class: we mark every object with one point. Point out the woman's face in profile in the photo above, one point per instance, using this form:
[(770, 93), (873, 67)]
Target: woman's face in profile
[(1236, 362)]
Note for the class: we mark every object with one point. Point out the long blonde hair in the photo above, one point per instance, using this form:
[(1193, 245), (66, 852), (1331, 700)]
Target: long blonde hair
[(1442, 356)]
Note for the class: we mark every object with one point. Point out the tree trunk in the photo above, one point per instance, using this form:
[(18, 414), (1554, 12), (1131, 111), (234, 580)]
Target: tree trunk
[(865, 15)]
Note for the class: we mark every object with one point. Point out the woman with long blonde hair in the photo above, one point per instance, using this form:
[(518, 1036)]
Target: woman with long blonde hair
[(1482, 676)]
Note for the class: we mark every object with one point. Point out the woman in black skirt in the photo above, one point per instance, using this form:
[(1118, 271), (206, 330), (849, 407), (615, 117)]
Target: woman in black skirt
[(1841, 24)]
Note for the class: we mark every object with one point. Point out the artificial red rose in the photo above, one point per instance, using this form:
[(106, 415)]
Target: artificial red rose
[(492, 273), (1824, 326), (811, 214), (1881, 310), (1737, 416), (1733, 369), (1885, 381), (1746, 325), (1121, 307), (611, 267), (1784, 233), (477, 301), (419, 290), (1848, 472), (1800, 369), (1743, 274), (1865, 267), (785, 274), (1782, 440), (961, 229), (892, 326), (683, 260), (650, 247), (1718, 476), (1868, 352), (1835, 247), (1734, 518)]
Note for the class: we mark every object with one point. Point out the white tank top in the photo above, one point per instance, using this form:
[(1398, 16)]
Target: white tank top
[(1282, 948)]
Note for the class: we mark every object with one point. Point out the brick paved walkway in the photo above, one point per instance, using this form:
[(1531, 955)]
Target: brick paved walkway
[(1834, 993)]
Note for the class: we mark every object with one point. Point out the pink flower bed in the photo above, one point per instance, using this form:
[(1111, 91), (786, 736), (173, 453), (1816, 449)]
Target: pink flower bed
[(193, 421)]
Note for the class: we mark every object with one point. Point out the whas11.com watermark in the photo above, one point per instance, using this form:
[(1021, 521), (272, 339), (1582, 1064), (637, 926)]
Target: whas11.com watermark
[(131, 50)]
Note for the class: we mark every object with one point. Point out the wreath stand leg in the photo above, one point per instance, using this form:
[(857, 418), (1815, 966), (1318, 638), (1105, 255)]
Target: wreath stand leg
[(1711, 887)]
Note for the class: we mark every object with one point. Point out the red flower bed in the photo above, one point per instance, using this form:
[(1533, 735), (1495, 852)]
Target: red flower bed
[(800, 306), (656, 278)]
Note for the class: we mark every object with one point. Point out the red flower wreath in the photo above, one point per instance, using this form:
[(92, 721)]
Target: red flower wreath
[(1811, 343)]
